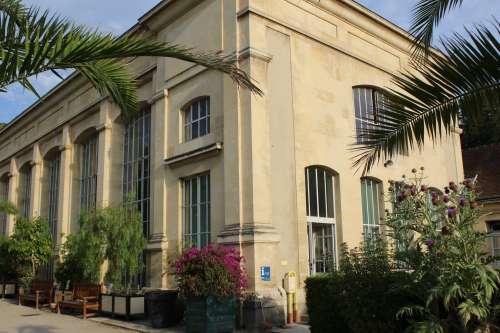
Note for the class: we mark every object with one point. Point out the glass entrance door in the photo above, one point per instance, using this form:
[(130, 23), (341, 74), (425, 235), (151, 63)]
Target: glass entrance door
[(322, 255)]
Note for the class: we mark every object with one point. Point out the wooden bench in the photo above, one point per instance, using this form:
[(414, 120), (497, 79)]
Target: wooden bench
[(39, 293), (84, 297)]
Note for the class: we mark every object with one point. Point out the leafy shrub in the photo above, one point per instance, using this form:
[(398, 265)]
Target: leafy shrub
[(210, 271), (324, 307), (30, 247), (113, 234), (7, 264), (83, 252), (445, 253), (364, 295)]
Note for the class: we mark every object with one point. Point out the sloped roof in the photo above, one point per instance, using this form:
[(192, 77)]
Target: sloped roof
[(484, 161)]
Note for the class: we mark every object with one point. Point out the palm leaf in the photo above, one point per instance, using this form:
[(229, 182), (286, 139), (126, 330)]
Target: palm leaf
[(430, 99), (33, 42), (425, 17)]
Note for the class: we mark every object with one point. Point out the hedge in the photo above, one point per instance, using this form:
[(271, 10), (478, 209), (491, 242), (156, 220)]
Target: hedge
[(339, 303), (323, 306)]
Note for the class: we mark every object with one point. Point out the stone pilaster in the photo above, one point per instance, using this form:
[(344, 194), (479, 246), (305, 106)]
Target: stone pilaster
[(157, 238), (104, 168), (65, 180), (36, 181)]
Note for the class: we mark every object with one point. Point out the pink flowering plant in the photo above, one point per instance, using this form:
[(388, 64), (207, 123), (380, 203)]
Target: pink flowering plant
[(210, 271), (438, 244)]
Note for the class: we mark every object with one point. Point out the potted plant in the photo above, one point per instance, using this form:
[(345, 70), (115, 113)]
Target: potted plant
[(124, 247), (210, 279)]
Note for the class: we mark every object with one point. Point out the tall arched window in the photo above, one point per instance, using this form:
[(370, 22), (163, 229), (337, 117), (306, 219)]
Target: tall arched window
[(88, 173), (53, 163), (197, 118), (373, 206), (320, 201), (4, 196), (367, 105), (136, 164), (136, 176), (24, 191)]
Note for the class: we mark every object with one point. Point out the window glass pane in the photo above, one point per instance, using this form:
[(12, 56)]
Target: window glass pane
[(203, 126), (372, 206), (321, 193), (313, 202), (197, 219), (194, 130), (329, 196), (194, 111), (203, 109)]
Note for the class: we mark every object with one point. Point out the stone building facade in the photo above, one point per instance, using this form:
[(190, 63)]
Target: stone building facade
[(209, 162)]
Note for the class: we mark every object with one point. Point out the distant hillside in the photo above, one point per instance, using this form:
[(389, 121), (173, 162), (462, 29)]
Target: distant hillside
[(2, 125)]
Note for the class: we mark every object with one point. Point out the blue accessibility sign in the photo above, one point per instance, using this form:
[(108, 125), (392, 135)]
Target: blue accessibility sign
[(265, 273)]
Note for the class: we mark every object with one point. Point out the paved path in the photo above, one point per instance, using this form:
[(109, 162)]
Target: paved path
[(22, 319)]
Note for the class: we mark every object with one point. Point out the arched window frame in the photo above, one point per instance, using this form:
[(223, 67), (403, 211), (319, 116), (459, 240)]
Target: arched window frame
[(321, 222), (367, 102), (197, 117)]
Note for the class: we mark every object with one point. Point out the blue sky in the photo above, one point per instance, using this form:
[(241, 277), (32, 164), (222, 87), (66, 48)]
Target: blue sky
[(118, 15)]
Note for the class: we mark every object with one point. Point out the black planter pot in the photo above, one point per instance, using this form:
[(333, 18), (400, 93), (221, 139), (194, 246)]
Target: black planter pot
[(164, 308), (210, 315)]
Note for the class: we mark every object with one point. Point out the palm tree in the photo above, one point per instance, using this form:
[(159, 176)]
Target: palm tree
[(34, 42), (460, 80)]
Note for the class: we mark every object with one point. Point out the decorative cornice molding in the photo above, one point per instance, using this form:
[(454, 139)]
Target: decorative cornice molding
[(204, 151), (254, 53)]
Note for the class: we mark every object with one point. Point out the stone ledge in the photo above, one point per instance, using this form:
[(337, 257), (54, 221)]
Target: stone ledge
[(248, 234)]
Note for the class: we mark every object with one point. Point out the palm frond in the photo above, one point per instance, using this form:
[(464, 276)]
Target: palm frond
[(33, 42), (425, 17), (429, 100)]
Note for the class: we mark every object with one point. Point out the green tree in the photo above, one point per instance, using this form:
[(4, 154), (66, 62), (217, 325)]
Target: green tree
[(30, 247), (112, 234), (444, 253), (34, 42), (125, 244), (84, 252), (461, 79)]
